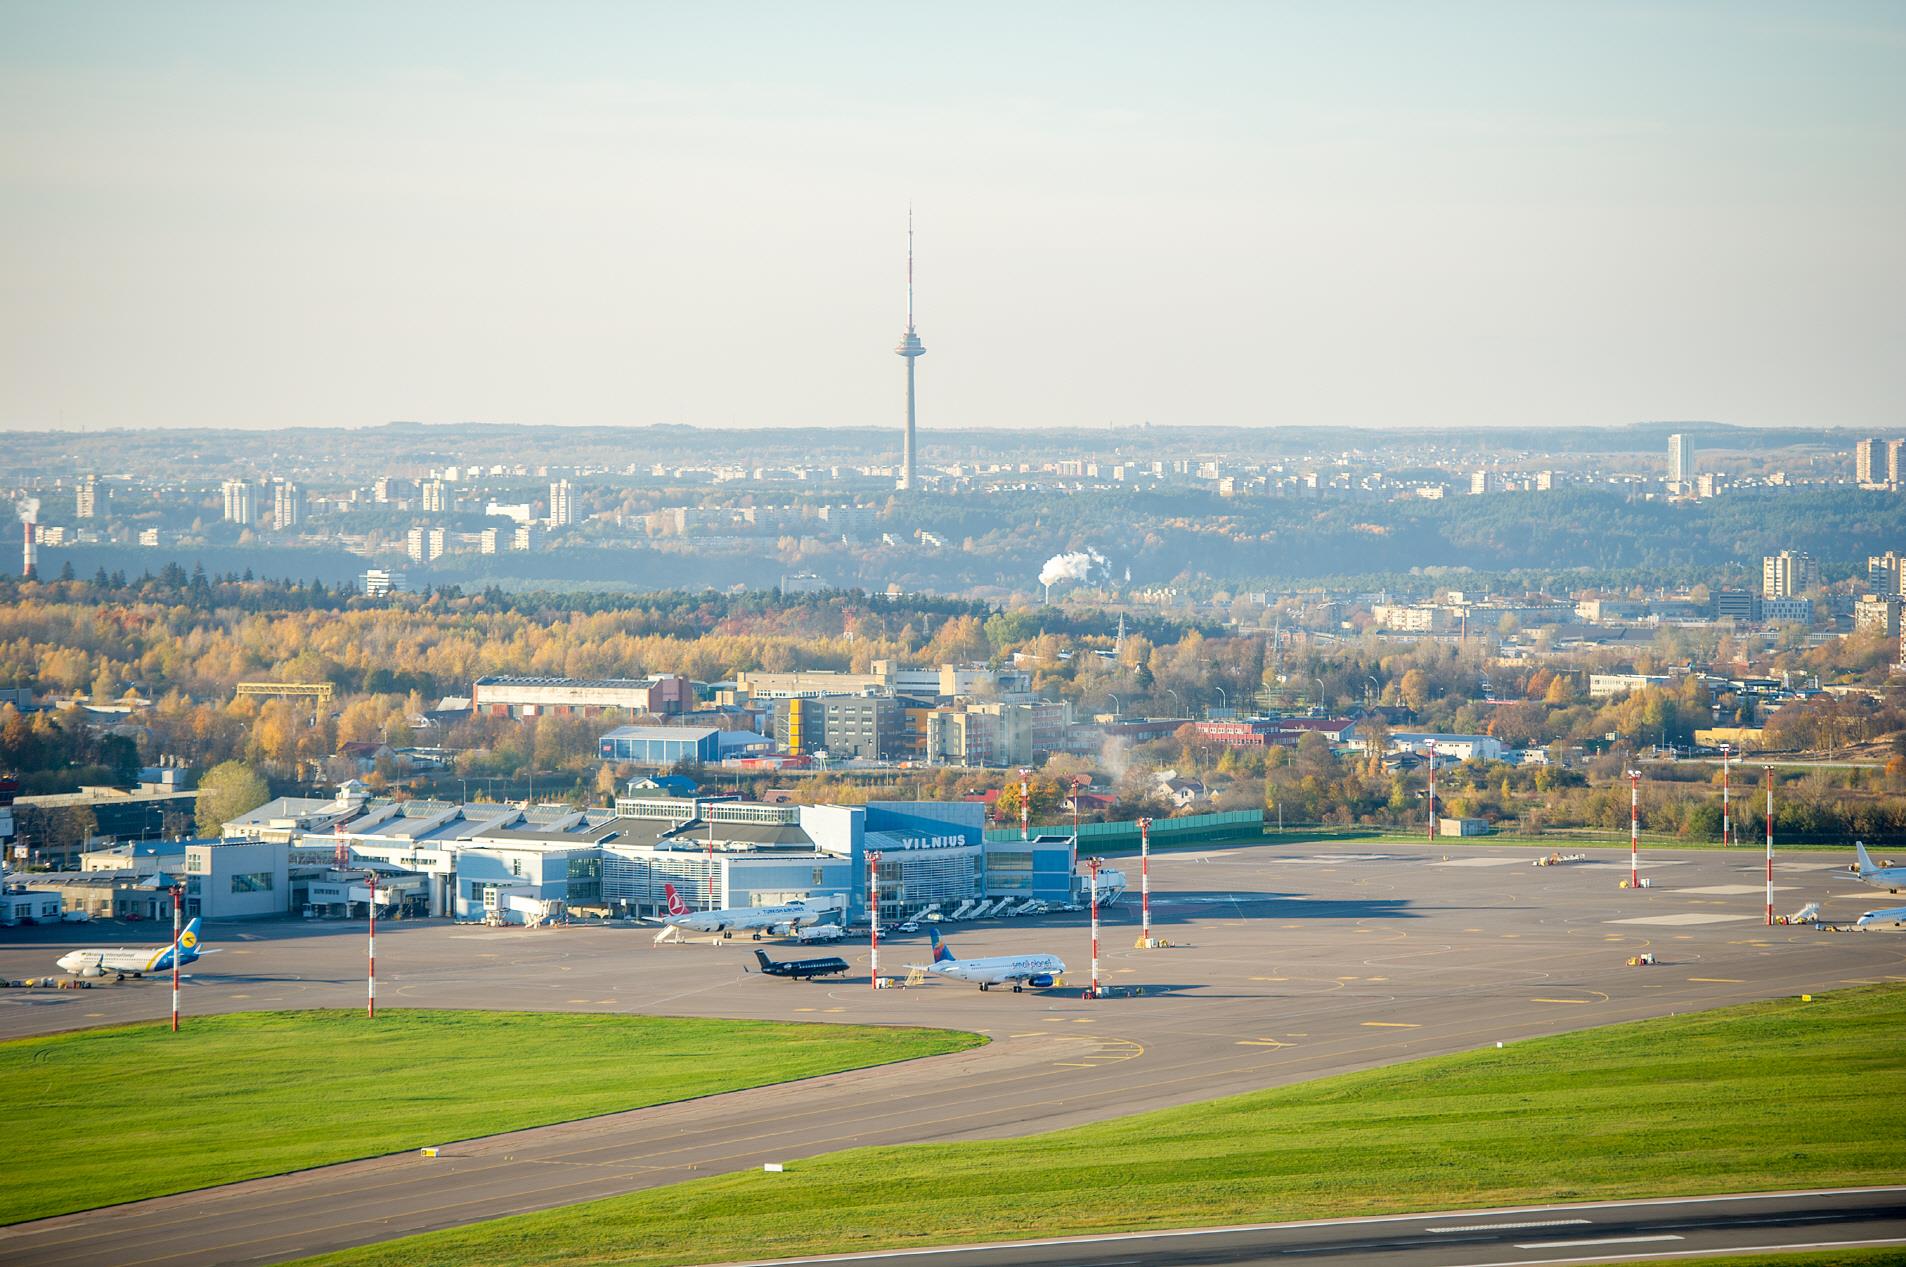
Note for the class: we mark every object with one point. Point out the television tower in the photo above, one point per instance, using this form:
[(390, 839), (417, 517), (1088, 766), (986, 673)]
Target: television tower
[(911, 348)]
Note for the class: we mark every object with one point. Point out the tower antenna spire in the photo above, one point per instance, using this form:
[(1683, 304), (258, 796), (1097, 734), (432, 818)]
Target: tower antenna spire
[(912, 349)]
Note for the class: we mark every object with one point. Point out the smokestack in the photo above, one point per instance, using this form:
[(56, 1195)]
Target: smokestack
[(29, 553)]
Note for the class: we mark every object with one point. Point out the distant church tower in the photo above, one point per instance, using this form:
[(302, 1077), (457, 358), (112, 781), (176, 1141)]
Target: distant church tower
[(911, 348)]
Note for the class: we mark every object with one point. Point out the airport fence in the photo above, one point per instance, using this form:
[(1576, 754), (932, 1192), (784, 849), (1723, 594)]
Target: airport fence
[(1227, 825)]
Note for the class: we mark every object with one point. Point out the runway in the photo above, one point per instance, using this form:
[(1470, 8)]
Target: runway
[(1289, 962), (1519, 1237)]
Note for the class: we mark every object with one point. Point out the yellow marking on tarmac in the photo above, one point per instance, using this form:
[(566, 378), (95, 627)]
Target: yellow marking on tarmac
[(1376, 978), (1125, 969), (1391, 1025), (1270, 978), (1260, 1042), (798, 1009), (1349, 978), (94, 1015), (1510, 936), (1071, 1064), (1472, 930), (1561, 1000), (1083, 1020), (834, 1009), (241, 996), (1303, 1035), (576, 1000), (1031, 1033), (1718, 980)]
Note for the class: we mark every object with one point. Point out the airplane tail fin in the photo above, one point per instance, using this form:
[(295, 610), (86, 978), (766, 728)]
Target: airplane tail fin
[(1866, 862), (189, 937), (675, 904), (761, 956), (942, 953)]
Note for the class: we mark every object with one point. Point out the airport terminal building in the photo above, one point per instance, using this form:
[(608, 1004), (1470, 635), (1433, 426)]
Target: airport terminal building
[(513, 863)]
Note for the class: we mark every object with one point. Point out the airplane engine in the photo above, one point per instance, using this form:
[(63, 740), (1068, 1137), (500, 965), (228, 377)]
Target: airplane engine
[(1041, 981)]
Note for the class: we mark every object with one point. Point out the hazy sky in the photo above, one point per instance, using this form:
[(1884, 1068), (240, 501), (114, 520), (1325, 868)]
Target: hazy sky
[(255, 214)]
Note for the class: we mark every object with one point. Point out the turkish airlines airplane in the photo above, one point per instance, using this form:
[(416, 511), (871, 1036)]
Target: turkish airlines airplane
[(755, 919)]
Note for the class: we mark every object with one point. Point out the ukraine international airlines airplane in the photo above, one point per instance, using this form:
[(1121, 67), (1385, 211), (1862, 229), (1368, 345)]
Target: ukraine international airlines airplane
[(1020, 970), (135, 961), (754, 919)]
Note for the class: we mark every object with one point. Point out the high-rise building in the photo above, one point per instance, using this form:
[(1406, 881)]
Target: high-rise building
[(287, 504), (241, 506), (562, 504), (378, 582), (1680, 463), (487, 540), (425, 544), (1789, 574), (86, 497), (912, 349), (1883, 575), (436, 499), (1876, 463)]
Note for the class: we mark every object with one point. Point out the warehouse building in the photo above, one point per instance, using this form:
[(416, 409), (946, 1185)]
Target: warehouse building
[(504, 695)]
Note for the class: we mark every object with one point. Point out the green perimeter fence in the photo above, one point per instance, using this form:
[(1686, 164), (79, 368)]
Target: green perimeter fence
[(1237, 822)]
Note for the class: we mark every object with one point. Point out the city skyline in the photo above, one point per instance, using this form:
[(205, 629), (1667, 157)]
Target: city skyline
[(1237, 216)]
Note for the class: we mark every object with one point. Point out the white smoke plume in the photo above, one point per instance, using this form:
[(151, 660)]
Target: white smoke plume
[(29, 508), (1074, 565)]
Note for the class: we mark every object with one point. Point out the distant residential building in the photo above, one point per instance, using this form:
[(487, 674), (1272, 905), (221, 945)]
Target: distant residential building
[(562, 504), (526, 537), (1680, 463), (1788, 574), (488, 539), (1409, 618), (287, 504), (426, 544), (86, 497), (1481, 482), (1787, 611), (436, 497), (1883, 573), (241, 506), (1710, 484), (377, 582), (802, 583), (148, 536), (1874, 613), (520, 512), (1876, 463), (1544, 481), (976, 734)]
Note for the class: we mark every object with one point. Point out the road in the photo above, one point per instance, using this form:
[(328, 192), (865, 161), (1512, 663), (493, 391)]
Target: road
[(1289, 962), (1518, 1237)]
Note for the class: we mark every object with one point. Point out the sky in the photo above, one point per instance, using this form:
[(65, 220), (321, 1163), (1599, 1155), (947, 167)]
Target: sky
[(1257, 214)]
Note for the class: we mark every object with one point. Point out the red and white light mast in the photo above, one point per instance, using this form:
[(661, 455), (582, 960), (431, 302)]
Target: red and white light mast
[(1025, 803), (873, 914), (1092, 865), (1432, 792), (177, 897), (1726, 838), (370, 1003), (1145, 881), (1770, 845), (1634, 829)]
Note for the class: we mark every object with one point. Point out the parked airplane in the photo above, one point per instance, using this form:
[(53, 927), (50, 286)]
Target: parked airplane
[(801, 969), (1889, 877), (1021, 970), (755, 919), (1891, 915), (134, 961)]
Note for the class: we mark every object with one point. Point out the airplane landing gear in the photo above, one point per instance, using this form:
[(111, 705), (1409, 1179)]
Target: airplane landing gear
[(983, 987), (1018, 990)]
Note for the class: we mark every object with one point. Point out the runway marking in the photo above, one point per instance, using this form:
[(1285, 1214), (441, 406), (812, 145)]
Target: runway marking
[(1718, 980), (1261, 1042), (586, 1000), (1682, 919), (1478, 862), (1031, 1033), (1510, 1227), (1391, 1025), (1561, 1000), (1270, 978), (798, 1009), (1736, 890), (1602, 1240)]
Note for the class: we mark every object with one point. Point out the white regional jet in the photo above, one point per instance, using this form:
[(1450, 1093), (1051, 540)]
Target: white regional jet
[(1887, 877), (1039, 971), (134, 961), (755, 919)]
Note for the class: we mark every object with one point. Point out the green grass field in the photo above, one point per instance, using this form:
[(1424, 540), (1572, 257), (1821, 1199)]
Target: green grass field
[(1765, 1096), (109, 1115)]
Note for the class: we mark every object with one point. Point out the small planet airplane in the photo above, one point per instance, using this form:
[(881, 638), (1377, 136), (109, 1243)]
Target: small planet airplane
[(801, 969), (1038, 971), (135, 961)]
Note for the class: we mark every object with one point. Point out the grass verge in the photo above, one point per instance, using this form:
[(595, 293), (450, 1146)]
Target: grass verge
[(133, 1111), (1764, 1096)]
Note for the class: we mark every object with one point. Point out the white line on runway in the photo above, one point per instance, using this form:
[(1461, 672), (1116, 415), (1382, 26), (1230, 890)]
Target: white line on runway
[(1508, 1227), (1601, 1240)]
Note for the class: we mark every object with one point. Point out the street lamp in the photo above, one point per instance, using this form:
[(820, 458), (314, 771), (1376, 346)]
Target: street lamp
[(1224, 701), (1117, 708)]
